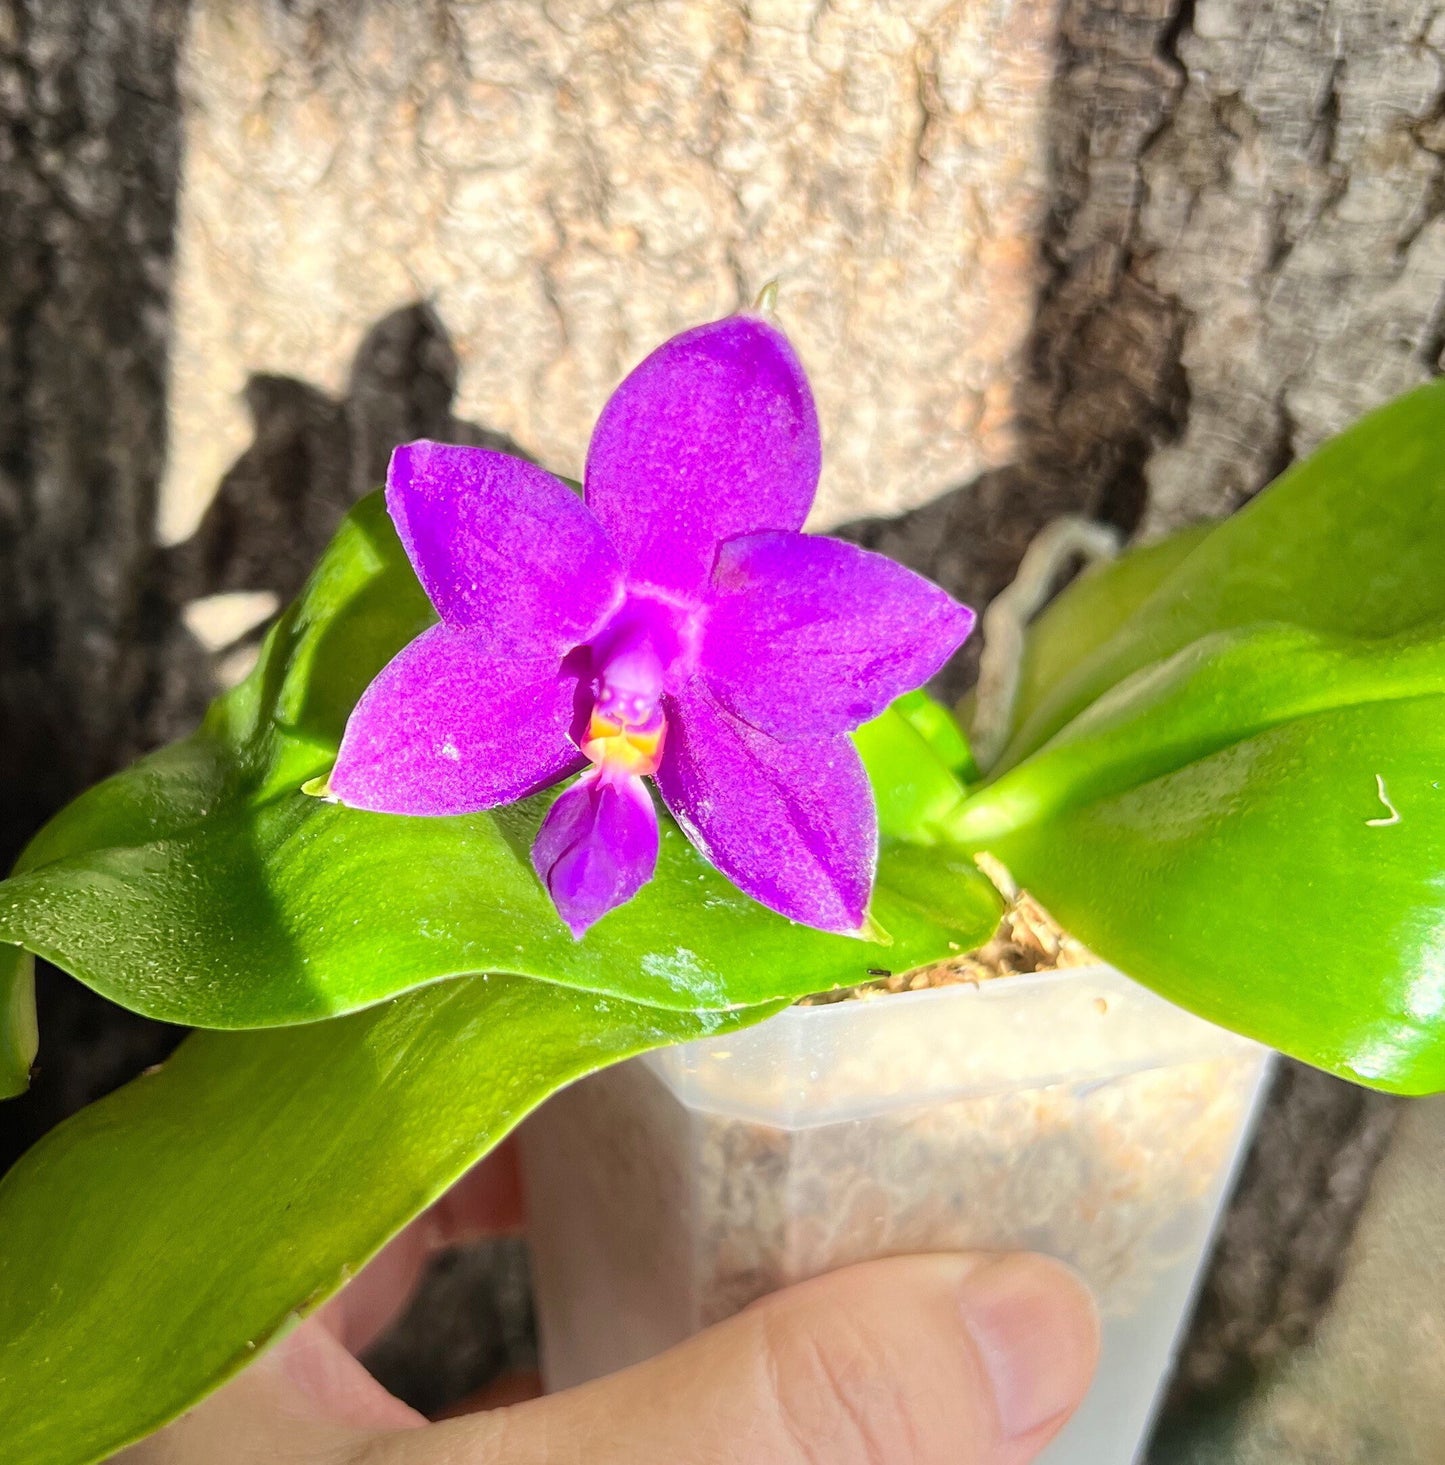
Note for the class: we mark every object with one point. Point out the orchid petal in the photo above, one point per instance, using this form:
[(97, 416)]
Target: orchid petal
[(807, 637), (791, 824), (597, 847), (499, 544), (713, 435), (448, 727)]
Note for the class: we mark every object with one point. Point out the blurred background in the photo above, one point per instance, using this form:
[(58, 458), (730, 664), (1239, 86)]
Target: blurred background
[(1122, 258)]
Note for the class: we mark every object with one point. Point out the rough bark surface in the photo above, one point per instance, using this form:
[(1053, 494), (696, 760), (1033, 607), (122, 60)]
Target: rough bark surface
[(92, 667), (1239, 209), (568, 183), (1246, 249), (1293, 208), (89, 144)]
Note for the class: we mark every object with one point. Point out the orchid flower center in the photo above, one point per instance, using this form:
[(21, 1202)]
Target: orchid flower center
[(627, 725), (649, 646)]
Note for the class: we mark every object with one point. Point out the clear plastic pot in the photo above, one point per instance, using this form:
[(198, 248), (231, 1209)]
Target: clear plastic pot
[(1072, 1113)]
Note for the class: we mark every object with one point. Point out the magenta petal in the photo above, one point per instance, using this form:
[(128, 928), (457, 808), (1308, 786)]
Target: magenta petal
[(791, 824), (449, 728), (498, 543), (597, 847), (807, 637), (713, 435)]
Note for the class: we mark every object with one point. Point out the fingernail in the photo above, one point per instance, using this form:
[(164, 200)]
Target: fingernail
[(1037, 1331)]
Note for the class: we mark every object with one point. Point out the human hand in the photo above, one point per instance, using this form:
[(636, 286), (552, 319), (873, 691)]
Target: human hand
[(928, 1360)]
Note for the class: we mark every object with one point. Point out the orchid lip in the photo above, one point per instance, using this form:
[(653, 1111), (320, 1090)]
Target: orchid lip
[(621, 751), (626, 728)]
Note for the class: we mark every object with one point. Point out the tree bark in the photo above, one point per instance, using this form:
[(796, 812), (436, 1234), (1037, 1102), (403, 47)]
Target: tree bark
[(1124, 258), (93, 666)]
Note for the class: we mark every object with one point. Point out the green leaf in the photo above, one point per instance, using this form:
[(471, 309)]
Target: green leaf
[(914, 773), (913, 752), (19, 1035), (1232, 788), (1219, 690), (1349, 542), (939, 728), (161, 1237), (1288, 886), (202, 886), (293, 909), (1091, 609)]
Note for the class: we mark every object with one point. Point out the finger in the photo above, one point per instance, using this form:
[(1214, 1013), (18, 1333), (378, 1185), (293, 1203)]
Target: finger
[(486, 1201), (305, 1401), (940, 1360), (514, 1387)]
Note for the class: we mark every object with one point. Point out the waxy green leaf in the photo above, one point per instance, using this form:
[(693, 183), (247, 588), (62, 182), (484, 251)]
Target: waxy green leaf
[(19, 1036), (1217, 691), (1237, 795), (160, 1238), (939, 728), (294, 909), (1090, 610), (1289, 886), (915, 773), (1350, 541), (204, 887)]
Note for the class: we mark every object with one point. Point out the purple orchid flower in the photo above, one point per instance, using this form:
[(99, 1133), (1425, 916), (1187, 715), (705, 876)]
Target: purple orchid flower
[(676, 625)]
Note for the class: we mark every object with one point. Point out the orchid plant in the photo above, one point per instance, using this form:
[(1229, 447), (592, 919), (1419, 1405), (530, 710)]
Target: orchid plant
[(408, 878)]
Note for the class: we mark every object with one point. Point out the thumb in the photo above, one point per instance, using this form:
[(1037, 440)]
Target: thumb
[(930, 1360)]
